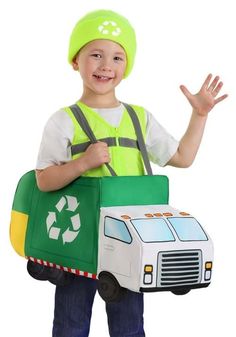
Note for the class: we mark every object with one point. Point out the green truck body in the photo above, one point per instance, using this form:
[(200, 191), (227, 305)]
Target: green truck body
[(61, 228)]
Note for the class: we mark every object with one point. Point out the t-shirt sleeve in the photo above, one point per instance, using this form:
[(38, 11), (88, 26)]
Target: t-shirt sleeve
[(55, 147), (161, 146)]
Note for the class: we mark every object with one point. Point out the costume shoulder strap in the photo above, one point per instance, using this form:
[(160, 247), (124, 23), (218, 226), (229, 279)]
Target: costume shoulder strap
[(140, 138)]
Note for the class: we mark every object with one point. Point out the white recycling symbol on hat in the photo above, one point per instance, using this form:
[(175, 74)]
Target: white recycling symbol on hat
[(109, 27), (73, 228)]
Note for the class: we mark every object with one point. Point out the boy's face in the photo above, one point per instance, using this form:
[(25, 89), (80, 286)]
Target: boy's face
[(102, 65)]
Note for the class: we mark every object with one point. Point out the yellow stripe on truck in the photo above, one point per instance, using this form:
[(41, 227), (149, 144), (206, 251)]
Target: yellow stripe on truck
[(18, 231)]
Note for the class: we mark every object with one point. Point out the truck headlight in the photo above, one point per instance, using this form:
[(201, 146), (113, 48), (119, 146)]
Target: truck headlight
[(208, 265), (147, 279), (148, 269), (208, 268)]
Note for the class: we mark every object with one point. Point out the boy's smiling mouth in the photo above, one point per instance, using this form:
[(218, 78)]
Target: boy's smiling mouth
[(102, 77)]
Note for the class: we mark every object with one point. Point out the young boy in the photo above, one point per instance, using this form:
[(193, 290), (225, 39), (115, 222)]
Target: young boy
[(102, 48)]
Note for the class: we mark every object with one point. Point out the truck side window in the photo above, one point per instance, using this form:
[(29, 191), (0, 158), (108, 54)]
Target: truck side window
[(117, 229)]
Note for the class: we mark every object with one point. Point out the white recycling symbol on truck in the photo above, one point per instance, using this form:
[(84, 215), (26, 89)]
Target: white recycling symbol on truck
[(68, 203)]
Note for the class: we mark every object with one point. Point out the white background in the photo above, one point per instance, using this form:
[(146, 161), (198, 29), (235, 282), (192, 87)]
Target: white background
[(179, 42)]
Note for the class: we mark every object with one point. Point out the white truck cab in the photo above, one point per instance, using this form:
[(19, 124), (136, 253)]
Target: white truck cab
[(152, 248)]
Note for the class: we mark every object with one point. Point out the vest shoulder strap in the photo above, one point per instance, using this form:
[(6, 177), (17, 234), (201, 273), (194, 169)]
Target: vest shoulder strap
[(140, 139)]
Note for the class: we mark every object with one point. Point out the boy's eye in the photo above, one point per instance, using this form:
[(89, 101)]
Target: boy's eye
[(117, 58), (96, 55)]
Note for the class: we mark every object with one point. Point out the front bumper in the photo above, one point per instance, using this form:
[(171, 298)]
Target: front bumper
[(189, 287)]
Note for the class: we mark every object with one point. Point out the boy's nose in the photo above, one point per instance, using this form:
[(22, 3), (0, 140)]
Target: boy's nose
[(105, 67)]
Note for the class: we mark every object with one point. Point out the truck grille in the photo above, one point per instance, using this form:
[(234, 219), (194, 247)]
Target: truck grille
[(178, 268)]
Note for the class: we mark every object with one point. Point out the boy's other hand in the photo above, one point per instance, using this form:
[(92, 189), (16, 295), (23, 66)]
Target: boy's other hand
[(96, 155), (205, 100)]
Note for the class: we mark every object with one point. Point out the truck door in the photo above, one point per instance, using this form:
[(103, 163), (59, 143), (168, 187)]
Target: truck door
[(116, 246)]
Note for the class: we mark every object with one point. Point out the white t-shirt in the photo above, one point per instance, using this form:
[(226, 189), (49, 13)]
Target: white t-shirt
[(59, 131)]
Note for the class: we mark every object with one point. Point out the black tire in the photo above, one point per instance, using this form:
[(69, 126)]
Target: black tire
[(37, 271), (181, 291), (109, 288), (53, 275), (60, 277)]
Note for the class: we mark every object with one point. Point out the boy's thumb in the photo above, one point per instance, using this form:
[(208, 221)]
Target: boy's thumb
[(185, 91)]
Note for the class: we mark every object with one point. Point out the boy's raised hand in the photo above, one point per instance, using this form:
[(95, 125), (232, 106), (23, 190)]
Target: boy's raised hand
[(205, 100)]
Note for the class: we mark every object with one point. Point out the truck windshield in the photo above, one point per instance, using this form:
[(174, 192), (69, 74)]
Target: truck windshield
[(153, 230), (188, 229)]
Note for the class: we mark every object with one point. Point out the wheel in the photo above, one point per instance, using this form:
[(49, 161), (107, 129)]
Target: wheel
[(43, 273), (109, 288), (181, 291), (59, 277), (37, 271)]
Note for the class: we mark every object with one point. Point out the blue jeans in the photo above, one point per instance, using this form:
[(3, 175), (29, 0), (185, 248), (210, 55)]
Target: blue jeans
[(73, 309)]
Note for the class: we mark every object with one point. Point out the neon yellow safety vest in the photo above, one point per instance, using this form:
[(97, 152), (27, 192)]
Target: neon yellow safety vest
[(125, 156)]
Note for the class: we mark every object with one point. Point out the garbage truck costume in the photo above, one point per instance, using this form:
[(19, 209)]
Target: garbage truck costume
[(119, 229)]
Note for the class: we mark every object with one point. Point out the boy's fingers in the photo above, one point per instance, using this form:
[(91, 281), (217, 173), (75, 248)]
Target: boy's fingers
[(102, 143), (217, 89), (214, 83), (206, 82)]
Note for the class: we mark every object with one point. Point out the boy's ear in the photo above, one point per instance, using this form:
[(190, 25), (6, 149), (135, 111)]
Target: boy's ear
[(75, 63)]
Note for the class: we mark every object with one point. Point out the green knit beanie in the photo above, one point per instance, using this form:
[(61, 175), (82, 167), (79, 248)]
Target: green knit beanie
[(108, 25)]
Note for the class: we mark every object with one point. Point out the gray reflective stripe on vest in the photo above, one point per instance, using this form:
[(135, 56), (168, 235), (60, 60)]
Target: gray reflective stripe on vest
[(128, 142), (110, 141), (79, 148)]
